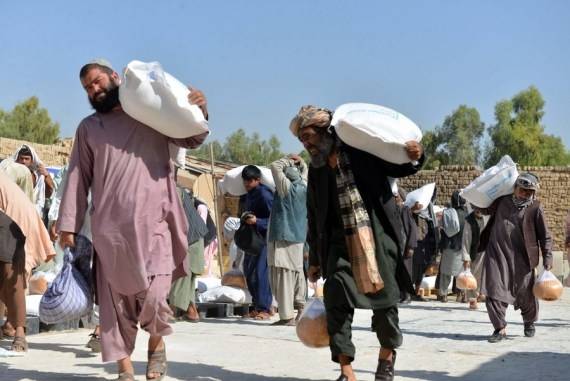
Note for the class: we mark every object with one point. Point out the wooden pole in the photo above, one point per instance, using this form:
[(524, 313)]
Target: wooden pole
[(218, 217)]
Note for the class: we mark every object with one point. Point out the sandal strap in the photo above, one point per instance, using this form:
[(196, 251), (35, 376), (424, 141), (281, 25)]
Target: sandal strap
[(19, 343), (156, 362), (126, 376)]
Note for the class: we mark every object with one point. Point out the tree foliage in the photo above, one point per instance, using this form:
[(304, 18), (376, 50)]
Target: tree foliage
[(28, 121), (457, 140), (239, 148), (519, 133)]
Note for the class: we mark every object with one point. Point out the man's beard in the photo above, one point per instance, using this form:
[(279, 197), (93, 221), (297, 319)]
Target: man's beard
[(108, 101), (324, 148)]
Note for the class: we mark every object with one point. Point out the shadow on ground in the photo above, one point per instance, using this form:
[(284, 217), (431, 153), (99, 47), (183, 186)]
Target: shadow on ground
[(176, 370), (549, 366)]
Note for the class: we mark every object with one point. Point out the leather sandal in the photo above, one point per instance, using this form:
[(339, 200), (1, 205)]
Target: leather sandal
[(263, 316), (497, 336), (385, 370), (156, 364), (19, 344), (529, 329), (126, 376), (342, 378)]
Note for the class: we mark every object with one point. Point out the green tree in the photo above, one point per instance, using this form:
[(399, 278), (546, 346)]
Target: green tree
[(519, 133), (28, 121), (240, 148), (457, 140)]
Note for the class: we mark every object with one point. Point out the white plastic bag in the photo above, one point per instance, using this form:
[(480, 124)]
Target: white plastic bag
[(422, 195), (233, 182), (466, 281), (547, 287), (33, 305), (312, 327), (157, 99), (497, 181), (375, 129)]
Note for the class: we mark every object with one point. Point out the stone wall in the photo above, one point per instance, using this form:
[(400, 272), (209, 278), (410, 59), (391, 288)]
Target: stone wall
[(50, 155), (554, 192)]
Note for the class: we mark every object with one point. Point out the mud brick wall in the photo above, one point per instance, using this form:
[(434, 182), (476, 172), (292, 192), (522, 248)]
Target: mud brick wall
[(50, 155), (554, 193)]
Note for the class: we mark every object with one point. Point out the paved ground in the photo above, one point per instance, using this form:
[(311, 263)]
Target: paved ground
[(443, 342)]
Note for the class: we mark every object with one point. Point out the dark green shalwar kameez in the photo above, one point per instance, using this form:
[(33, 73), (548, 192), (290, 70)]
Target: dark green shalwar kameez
[(329, 251), (183, 290)]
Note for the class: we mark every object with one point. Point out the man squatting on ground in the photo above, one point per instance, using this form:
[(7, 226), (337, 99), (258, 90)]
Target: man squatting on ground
[(511, 242), (354, 228), (138, 224)]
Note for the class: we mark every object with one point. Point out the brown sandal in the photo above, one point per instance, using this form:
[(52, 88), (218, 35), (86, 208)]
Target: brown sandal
[(262, 316), (156, 364), (19, 344), (126, 376)]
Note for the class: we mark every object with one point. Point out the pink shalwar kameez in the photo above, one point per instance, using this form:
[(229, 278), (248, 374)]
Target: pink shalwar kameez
[(138, 224)]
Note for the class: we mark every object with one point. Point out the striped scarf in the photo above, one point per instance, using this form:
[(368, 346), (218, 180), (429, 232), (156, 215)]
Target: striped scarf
[(357, 229)]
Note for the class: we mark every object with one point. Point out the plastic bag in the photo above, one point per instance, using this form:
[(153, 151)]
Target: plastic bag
[(375, 129), (547, 287), (234, 278), (466, 281), (69, 296), (497, 181), (312, 327), (157, 99)]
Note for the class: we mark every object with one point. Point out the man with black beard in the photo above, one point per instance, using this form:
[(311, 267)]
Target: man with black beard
[(354, 228), (139, 229)]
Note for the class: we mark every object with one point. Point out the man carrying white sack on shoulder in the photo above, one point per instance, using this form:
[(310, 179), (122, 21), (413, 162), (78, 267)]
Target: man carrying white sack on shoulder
[(352, 214), (139, 227), (511, 240)]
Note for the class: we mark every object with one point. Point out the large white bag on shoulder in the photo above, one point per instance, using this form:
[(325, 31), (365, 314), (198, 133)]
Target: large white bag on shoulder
[(157, 99), (497, 181), (233, 182), (375, 129), (422, 195)]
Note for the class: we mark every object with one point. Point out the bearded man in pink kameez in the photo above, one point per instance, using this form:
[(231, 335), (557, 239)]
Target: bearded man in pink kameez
[(138, 224)]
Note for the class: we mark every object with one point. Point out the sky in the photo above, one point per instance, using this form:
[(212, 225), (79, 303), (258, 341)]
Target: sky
[(259, 61)]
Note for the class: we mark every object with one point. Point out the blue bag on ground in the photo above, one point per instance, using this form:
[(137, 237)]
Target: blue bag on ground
[(70, 295)]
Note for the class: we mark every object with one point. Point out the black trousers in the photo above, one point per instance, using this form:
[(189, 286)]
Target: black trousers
[(385, 322)]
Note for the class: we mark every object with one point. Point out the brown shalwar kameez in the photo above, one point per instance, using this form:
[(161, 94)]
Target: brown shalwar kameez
[(510, 259), (138, 224)]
